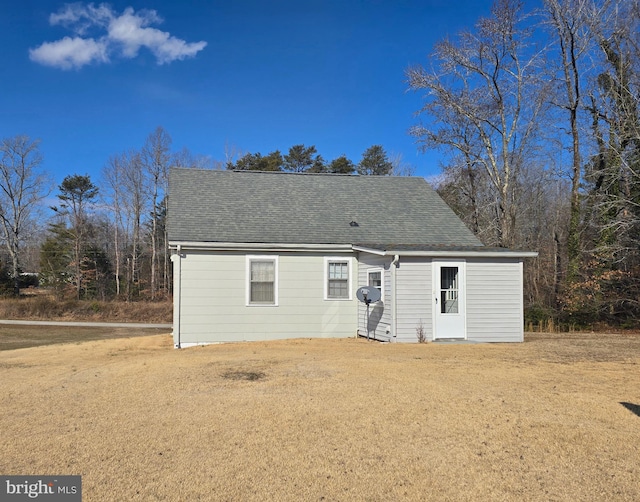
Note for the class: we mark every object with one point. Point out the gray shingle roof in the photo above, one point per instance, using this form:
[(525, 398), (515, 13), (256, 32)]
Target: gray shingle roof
[(287, 208)]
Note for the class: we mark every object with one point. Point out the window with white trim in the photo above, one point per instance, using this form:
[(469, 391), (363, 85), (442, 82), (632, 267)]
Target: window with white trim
[(338, 279), (374, 279), (262, 280)]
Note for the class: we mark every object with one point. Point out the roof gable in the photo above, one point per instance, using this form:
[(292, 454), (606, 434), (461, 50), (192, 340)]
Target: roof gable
[(266, 207)]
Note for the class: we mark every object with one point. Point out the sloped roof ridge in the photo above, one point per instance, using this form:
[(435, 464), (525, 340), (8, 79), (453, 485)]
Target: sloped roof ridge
[(249, 171), (255, 171)]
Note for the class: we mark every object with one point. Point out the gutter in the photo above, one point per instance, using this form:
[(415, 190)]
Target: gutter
[(394, 310), (260, 246), (450, 253), (470, 254), (177, 292)]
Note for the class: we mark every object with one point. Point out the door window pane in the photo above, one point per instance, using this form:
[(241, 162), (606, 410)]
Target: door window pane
[(449, 290)]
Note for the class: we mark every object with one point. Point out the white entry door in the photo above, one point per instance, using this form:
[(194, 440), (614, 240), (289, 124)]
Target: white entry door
[(449, 299)]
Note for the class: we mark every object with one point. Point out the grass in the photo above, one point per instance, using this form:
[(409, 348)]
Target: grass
[(20, 337), (43, 306), (555, 418)]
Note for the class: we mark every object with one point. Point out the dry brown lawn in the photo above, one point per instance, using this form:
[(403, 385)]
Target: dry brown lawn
[(554, 418), (23, 336), (39, 304)]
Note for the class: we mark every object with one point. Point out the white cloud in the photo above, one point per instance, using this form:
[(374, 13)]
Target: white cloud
[(125, 35), (131, 31), (80, 18), (174, 48), (70, 53)]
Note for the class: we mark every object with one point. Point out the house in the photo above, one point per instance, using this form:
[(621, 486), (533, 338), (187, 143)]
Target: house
[(262, 255)]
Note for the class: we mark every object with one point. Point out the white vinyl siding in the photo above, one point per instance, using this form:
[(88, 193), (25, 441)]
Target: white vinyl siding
[(415, 298), (213, 302), (494, 300), (379, 324)]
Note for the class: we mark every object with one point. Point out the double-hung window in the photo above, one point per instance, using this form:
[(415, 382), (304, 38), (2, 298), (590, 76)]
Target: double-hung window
[(262, 280), (374, 279), (337, 279)]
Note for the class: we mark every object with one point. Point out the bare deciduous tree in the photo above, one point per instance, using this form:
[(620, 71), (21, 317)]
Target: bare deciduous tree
[(568, 23), (156, 157), (22, 186), (184, 158), (400, 167), (486, 83), (113, 174), (134, 200)]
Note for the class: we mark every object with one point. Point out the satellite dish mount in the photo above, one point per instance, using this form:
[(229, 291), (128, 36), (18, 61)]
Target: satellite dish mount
[(368, 295)]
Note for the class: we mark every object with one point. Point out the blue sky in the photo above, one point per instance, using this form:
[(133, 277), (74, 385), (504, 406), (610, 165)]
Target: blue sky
[(94, 80)]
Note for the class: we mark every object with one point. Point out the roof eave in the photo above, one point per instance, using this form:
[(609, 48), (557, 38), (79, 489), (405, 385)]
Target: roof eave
[(344, 248), (259, 246), (449, 253)]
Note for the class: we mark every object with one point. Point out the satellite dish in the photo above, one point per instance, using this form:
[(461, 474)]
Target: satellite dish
[(368, 294)]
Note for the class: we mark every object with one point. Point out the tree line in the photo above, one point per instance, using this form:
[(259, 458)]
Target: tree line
[(107, 238), (303, 159), (538, 115)]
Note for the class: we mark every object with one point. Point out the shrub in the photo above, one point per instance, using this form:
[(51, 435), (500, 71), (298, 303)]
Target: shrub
[(420, 333)]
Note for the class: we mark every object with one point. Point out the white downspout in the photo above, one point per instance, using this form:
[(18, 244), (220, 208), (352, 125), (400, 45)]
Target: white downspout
[(177, 293), (394, 310)]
